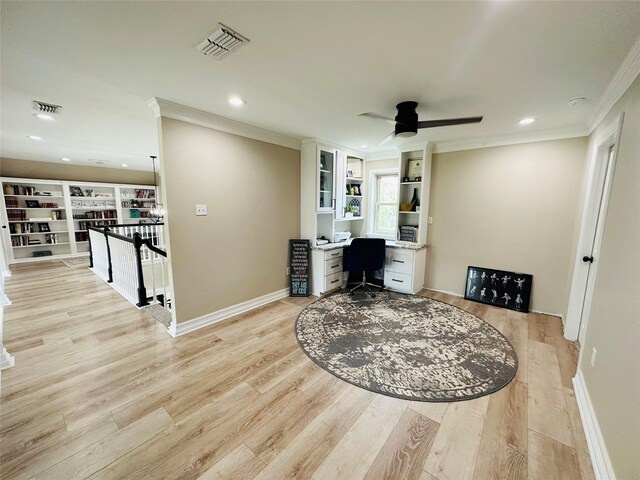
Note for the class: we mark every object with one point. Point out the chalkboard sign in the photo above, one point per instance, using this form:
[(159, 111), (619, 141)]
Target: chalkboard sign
[(299, 268)]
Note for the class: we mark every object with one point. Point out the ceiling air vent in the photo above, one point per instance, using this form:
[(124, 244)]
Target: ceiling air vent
[(222, 42), (43, 107)]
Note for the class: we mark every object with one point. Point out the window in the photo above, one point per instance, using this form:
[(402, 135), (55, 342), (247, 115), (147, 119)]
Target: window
[(386, 204)]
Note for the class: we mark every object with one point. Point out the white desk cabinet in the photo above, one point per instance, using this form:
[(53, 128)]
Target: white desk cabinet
[(404, 269), (326, 267)]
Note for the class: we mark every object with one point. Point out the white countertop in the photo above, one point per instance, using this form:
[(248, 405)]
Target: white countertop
[(388, 243)]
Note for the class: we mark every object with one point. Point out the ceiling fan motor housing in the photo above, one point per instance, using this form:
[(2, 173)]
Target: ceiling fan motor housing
[(406, 119)]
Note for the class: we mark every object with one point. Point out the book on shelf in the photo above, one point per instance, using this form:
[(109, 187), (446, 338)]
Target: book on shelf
[(11, 202), (408, 233), (21, 189), (16, 215)]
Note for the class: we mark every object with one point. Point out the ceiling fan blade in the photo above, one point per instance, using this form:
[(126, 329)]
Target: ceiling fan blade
[(388, 138), (448, 121), (377, 116)]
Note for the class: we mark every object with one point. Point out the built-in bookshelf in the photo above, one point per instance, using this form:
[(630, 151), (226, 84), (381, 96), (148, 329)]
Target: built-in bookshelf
[(50, 219), (136, 203), (413, 194)]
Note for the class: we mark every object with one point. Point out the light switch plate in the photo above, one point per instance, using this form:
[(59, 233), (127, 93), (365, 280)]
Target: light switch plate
[(201, 210)]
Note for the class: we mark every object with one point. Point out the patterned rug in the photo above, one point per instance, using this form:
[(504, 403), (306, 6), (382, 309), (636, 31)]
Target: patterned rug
[(406, 346)]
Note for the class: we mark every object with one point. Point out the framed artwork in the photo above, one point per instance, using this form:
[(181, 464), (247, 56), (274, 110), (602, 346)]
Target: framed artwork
[(43, 227), (414, 169), (499, 288), (32, 203), (76, 192)]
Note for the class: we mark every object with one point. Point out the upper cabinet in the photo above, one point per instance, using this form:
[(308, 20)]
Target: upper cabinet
[(331, 191), (326, 179)]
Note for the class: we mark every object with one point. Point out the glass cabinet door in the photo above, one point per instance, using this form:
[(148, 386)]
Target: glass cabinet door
[(326, 169)]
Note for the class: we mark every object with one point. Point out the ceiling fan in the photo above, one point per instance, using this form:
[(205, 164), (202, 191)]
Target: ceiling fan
[(407, 124)]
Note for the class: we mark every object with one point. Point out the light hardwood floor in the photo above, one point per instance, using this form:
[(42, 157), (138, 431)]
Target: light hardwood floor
[(101, 391)]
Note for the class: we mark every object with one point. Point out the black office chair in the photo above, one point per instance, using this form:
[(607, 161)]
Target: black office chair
[(365, 255)]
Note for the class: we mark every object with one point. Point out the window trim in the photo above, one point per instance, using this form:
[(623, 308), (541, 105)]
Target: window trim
[(372, 223)]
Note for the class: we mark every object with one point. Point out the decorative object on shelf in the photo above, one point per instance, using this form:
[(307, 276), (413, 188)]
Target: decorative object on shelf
[(414, 169), (134, 213), (349, 173), (415, 201), (354, 205), (406, 207), (418, 179), (42, 253), (8, 190), (323, 163), (499, 288), (156, 213), (51, 238), (405, 179), (76, 192), (88, 192), (347, 212), (352, 190), (32, 203), (357, 189), (43, 227)]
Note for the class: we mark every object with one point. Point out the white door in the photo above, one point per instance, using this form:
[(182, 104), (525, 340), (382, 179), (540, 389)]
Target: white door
[(591, 232)]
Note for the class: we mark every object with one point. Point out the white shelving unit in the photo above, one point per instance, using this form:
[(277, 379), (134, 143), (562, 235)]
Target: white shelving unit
[(135, 202), (414, 164), (52, 216)]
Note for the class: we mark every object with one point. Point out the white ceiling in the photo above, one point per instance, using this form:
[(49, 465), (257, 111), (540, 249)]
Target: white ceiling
[(309, 70)]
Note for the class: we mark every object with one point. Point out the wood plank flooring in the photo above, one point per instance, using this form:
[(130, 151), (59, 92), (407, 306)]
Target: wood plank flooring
[(101, 391)]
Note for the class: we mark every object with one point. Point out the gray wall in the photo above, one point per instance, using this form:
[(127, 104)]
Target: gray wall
[(239, 251), (512, 208), (10, 167)]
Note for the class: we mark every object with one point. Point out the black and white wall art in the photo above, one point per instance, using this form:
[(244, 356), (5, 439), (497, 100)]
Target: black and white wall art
[(499, 288)]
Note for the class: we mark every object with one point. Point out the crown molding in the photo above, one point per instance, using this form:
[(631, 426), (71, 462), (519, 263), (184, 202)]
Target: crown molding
[(621, 81), (165, 108), (543, 136), (327, 143), (386, 155)]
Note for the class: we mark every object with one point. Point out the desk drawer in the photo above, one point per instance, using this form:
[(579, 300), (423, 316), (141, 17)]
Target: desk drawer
[(399, 261), (333, 266), (397, 281), (331, 282), (332, 254)]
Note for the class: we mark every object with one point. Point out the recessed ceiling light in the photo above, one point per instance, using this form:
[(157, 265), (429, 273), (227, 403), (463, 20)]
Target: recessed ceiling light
[(527, 121), (45, 116), (124, 165), (364, 146), (237, 101), (35, 137), (65, 159)]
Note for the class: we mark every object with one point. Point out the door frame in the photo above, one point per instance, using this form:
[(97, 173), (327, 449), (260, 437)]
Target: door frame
[(596, 202)]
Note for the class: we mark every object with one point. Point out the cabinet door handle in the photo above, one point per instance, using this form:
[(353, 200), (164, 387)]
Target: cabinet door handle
[(399, 261), (336, 280), (335, 266), (335, 254), (396, 280)]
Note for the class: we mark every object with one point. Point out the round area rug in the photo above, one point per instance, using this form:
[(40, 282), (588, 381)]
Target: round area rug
[(406, 346)]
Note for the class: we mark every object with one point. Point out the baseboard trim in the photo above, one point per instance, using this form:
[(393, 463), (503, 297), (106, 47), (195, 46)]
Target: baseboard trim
[(6, 360), (220, 315), (457, 294), (597, 449)]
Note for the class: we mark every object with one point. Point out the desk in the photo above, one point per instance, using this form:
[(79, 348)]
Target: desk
[(403, 267)]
